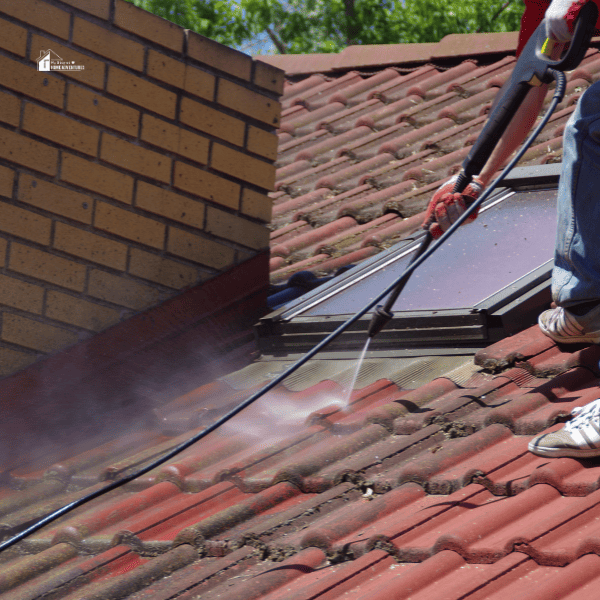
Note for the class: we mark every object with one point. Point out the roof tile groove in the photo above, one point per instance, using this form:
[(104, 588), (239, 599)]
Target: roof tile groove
[(392, 172), (395, 89), (432, 474), (314, 236), (387, 116), (326, 149), (223, 520), (305, 562), (302, 121), (347, 119), (479, 79), (437, 84), (415, 139), (427, 118), (358, 92), (327, 210), (370, 145), (322, 491), (319, 96), (29, 567)]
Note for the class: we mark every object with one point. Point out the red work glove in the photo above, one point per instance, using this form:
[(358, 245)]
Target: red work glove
[(560, 19), (446, 207)]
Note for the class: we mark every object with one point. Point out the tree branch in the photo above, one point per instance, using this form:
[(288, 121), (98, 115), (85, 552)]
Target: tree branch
[(498, 13), (278, 43), (350, 22)]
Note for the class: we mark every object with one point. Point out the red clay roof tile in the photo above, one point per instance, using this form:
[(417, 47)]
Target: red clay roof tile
[(427, 117), (430, 489), (349, 482)]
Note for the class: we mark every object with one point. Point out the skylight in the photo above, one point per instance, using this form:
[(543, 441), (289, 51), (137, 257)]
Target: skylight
[(490, 280), (511, 238)]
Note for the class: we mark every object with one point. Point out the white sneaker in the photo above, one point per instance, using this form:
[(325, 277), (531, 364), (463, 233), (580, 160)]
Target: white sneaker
[(565, 327), (579, 438)]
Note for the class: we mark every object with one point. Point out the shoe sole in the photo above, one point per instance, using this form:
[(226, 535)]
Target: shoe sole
[(562, 452), (582, 339)]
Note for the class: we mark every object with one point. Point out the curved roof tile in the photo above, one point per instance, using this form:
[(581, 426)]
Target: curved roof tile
[(402, 128)]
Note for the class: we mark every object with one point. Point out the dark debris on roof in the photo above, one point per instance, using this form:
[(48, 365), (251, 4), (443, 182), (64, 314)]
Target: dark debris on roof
[(360, 154), (415, 483), (303, 496)]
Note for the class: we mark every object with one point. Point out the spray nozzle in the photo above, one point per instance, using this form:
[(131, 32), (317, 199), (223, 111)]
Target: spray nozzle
[(380, 319)]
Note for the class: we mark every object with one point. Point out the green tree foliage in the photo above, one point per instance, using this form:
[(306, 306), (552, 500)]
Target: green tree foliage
[(303, 26), (219, 20)]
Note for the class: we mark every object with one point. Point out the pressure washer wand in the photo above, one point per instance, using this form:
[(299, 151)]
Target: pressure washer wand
[(28, 529), (534, 67), (383, 312)]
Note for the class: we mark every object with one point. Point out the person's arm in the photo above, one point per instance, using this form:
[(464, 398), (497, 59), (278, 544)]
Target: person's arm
[(446, 207), (518, 128), (515, 133)]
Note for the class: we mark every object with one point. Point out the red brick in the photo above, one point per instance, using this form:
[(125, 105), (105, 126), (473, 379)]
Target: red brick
[(268, 77), (108, 44), (24, 224), (35, 335), (243, 167), (170, 205), (131, 157), (206, 185), (22, 295), (81, 313), (262, 142), (47, 267), (213, 122), (175, 139), (13, 360), (89, 246), (248, 102), (149, 26), (96, 178), (98, 8), (121, 291), (13, 38), (29, 81), (236, 229), (257, 205), (40, 14), (55, 198), (93, 72), (60, 129), (129, 225), (99, 109), (22, 150), (7, 179), (166, 69), (10, 109), (3, 247), (200, 83), (141, 92), (161, 270), (218, 56), (199, 249)]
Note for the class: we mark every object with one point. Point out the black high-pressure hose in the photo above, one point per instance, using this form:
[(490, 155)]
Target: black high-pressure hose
[(422, 254), (383, 313)]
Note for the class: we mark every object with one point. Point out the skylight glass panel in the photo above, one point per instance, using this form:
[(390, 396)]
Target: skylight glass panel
[(510, 239)]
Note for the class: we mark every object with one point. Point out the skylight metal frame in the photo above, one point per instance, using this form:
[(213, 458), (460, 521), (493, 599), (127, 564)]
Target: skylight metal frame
[(367, 268), (289, 331)]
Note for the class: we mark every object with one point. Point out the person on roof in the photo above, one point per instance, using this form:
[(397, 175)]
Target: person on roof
[(575, 316)]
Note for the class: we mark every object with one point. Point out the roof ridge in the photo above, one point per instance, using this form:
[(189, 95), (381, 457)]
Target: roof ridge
[(401, 56)]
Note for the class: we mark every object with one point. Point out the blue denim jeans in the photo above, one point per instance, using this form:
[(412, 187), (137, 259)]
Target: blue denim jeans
[(576, 275)]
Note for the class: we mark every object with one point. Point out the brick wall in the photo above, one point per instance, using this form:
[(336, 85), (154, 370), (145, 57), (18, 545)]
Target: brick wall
[(127, 181)]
